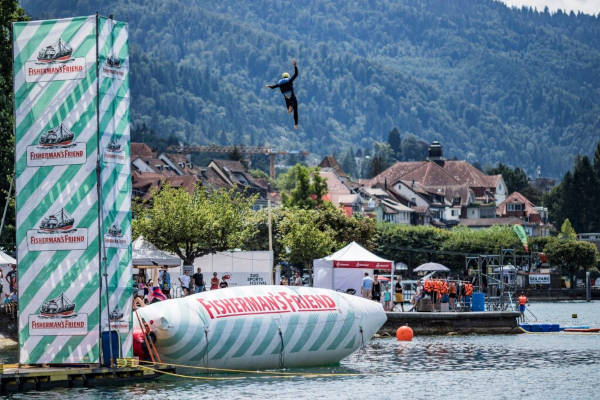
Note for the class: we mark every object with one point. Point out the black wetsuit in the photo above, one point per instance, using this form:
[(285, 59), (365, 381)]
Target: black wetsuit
[(286, 85)]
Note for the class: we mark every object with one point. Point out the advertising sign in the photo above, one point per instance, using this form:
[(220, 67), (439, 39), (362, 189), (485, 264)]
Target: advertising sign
[(539, 279), (113, 61), (59, 201)]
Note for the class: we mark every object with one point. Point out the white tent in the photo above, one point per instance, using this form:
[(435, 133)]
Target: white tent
[(243, 267), (146, 254), (5, 259), (346, 268)]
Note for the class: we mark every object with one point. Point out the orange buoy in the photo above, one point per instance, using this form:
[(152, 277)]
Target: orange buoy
[(404, 333)]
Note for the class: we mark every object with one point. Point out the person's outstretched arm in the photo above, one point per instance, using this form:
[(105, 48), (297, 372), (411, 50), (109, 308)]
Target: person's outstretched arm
[(272, 86), (295, 71)]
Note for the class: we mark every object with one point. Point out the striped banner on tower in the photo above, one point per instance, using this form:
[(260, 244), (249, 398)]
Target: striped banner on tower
[(113, 60), (57, 117)]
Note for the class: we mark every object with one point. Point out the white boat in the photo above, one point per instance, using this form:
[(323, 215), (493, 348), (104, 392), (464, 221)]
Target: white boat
[(261, 327)]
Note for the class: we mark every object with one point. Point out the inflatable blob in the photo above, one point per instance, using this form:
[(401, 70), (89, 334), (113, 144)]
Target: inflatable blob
[(261, 327)]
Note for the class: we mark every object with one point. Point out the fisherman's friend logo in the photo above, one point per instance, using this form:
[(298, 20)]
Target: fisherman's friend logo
[(117, 320), (114, 67), (57, 316), (56, 146), (114, 152), (57, 231), (54, 62), (116, 238)]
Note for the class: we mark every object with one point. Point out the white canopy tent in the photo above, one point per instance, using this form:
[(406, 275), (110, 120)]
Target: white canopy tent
[(5, 259), (346, 268), (146, 254)]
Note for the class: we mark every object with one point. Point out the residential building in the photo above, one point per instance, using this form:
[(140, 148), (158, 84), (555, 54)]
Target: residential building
[(151, 170), (533, 219), (447, 190)]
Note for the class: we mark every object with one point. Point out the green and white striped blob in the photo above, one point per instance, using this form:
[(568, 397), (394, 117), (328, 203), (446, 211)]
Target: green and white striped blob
[(187, 335)]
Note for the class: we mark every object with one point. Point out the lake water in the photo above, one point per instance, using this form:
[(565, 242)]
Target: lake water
[(532, 366)]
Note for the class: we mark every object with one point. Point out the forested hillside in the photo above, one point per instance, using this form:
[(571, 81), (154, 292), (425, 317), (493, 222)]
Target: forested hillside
[(493, 84)]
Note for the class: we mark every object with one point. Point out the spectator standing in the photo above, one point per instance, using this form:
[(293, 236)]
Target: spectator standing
[(11, 278), (399, 296), (376, 293), (214, 281), (223, 284), (185, 281), (198, 281), (164, 282), (284, 281), (387, 298), (298, 280), (367, 286)]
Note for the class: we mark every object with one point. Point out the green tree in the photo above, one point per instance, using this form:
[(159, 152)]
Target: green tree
[(413, 245), (193, 225), (304, 240), (566, 231), (348, 163), (571, 255), (577, 196), (395, 142), (515, 179), (382, 158), (414, 149), (347, 229), (309, 188), (9, 13)]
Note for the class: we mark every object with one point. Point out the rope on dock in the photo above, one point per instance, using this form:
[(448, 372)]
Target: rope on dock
[(270, 374)]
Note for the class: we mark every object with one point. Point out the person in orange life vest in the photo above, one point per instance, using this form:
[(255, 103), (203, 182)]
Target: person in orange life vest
[(522, 303)]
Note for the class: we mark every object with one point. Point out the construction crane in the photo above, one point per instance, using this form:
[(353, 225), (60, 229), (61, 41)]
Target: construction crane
[(248, 150)]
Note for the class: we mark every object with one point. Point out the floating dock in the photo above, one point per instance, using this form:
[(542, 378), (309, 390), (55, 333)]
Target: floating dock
[(443, 323), (21, 379)]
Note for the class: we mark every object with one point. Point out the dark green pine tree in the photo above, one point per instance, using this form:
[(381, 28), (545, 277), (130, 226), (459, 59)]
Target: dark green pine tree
[(9, 13), (395, 142), (348, 163)]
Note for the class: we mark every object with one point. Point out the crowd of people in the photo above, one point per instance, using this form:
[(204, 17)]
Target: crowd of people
[(439, 291), (9, 303), (147, 292), (377, 289), (453, 292)]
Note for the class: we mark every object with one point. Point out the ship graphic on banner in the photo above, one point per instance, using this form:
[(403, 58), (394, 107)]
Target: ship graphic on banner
[(114, 153), (114, 67), (58, 317), (55, 62), (56, 146), (117, 321), (57, 231), (115, 238)]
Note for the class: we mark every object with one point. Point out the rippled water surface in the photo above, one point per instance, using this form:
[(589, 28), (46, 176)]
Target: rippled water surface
[(541, 366)]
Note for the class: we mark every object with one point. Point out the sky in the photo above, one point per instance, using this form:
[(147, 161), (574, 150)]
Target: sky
[(586, 6)]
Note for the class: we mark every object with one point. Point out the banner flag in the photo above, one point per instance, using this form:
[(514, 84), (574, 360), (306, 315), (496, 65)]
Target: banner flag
[(518, 229), (113, 61), (57, 114)]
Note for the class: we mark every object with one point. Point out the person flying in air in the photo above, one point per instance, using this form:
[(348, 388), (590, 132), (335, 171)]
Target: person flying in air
[(286, 85)]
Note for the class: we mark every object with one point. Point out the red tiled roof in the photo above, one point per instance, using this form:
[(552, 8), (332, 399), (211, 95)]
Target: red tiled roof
[(331, 162), (516, 197), (464, 172), (334, 184), (140, 150), (231, 165)]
